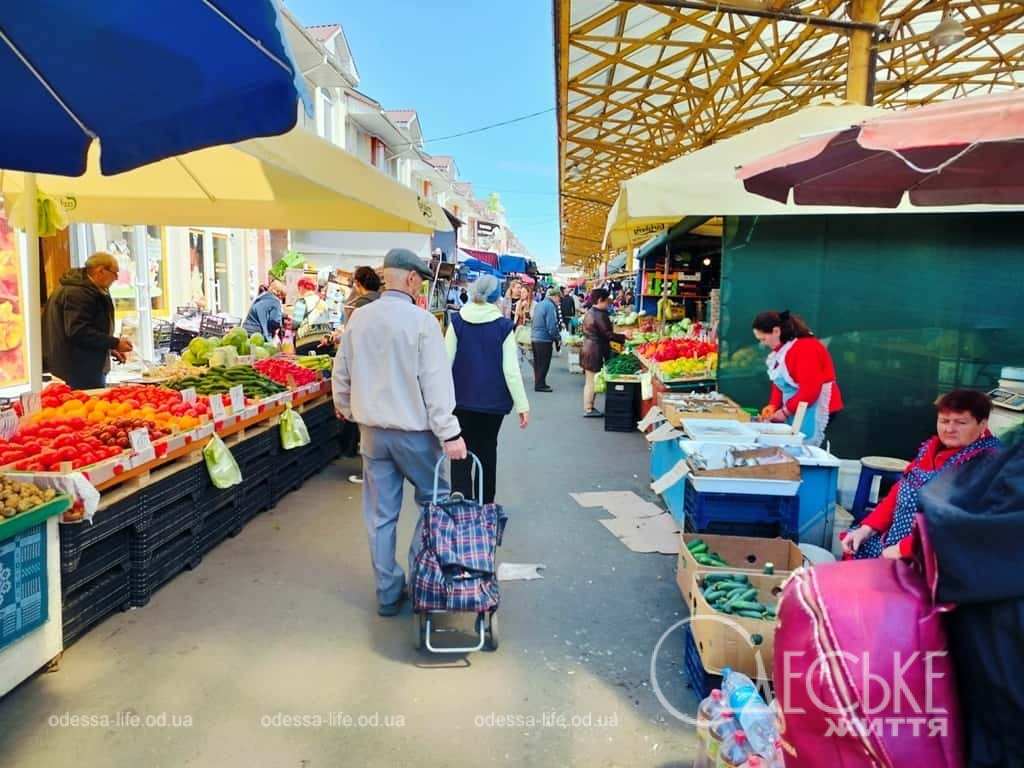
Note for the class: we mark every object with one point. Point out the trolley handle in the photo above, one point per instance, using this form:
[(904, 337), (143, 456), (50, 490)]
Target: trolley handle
[(477, 467)]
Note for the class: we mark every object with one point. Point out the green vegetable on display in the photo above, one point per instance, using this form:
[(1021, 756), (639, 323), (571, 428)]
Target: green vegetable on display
[(623, 365), (220, 380), (732, 593), (702, 554)]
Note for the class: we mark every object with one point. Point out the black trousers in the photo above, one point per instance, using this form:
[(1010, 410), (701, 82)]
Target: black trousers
[(541, 362), (480, 431)]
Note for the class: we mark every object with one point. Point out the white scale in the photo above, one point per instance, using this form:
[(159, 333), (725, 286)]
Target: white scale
[(1008, 401)]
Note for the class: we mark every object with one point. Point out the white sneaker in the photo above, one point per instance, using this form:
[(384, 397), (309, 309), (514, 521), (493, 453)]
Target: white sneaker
[(357, 479)]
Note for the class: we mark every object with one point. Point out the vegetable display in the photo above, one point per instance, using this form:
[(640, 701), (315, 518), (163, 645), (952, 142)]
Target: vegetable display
[(623, 365), (282, 371), (218, 381), (316, 362), (700, 551), (679, 358), (625, 318), (17, 497), (732, 593), (201, 351)]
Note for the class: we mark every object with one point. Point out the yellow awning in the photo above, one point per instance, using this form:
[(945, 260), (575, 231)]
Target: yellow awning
[(293, 181)]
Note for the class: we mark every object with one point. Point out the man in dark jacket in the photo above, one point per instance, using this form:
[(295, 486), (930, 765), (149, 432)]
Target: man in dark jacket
[(568, 309), (79, 325)]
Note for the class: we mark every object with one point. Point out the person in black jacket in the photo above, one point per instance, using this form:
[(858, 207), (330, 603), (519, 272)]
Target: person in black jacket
[(568, 309), (79, 325)]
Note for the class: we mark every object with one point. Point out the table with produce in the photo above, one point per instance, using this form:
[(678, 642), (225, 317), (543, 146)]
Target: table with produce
[(127, 469)]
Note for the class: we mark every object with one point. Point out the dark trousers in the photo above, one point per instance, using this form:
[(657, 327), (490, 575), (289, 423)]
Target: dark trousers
[(541, 362), (480, 431)]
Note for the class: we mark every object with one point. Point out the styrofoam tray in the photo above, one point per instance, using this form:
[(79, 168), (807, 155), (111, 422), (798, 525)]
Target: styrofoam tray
[(779, 435), (719, 431)]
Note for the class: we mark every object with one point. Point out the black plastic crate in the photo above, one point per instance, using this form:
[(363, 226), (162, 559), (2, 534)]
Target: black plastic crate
[(76, 537), (256, 493), (173, 488), (618, 422), (699, 679), (162, 565), (224, 522), (164, 524), (213, 498), (321, 414), (288, 477), (257, 448), (741, 514), (324, 433), (105, 555), (88, 606)]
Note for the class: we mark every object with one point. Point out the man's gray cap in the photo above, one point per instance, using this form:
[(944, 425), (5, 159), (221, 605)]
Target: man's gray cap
[(403, 258)]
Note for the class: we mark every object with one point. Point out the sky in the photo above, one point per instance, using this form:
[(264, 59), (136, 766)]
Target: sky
[(464, 65)]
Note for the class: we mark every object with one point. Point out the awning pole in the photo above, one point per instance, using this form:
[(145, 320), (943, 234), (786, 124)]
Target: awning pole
[(860, 60), (34, 317)]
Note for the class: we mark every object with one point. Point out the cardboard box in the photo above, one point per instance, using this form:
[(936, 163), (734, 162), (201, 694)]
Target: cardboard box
[(745, 554), (675, 407), (778, 465), (725, 640)]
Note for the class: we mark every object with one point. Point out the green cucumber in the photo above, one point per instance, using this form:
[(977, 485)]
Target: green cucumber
[(750, 614), (747, 605), (696, 544), (750, 594)]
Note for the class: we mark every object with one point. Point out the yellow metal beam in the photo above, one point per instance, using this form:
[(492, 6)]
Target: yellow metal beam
[(860, 61)]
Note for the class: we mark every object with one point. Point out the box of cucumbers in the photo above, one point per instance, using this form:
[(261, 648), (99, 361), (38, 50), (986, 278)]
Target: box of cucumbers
[(733, 593)]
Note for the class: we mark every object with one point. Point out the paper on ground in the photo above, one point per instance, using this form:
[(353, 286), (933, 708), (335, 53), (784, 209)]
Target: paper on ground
[(520, 571), (670, 478), (645, 535), (624, 504)]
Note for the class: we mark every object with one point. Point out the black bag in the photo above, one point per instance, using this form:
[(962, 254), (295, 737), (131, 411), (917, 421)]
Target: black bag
[(974, 518)]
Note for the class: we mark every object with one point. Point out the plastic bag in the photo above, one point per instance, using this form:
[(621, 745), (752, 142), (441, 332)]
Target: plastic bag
[(223, 469), (293, 430), (599, 382), (523, 336)]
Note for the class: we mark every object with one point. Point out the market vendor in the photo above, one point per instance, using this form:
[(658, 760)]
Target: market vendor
[(597, 346), (962, 435), (801, 371)]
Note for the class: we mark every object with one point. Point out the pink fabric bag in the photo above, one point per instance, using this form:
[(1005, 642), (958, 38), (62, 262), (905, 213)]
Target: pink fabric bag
[(861, 670)]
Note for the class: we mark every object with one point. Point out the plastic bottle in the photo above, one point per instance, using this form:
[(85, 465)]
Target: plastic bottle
[(719, 730), (708, 712), (753, 716), (734, 751)]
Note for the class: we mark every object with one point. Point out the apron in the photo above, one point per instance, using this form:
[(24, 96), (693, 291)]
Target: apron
[(908, 495), (816, 418)]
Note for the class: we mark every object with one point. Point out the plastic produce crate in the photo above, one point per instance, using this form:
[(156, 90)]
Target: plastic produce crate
[(739, 514), (23, 584), (161, 565), (76, 537), (321, 414), (212, 497), (160, 526), (699, 679), (222, 523), (173, 488), (89, 605), (109, 553), (257, 448)]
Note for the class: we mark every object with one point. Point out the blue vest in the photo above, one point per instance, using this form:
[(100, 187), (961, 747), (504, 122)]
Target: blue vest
[(479, 380)]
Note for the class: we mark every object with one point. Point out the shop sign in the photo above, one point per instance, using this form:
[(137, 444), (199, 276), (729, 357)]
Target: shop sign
[(487, 234)]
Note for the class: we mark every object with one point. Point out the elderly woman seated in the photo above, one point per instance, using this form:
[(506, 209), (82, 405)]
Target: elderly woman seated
[(962, 435)]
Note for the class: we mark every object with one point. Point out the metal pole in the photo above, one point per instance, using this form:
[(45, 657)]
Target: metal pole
[(860, 66), (764, 13), (34, 336)]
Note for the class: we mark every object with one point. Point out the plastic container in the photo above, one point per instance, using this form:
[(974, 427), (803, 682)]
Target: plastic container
[(719, 431), (699, 679), (172, 488), (162, 565), (707, 711), (752, 715), (621, 406), (738, 514), (734, 751), (76, 537), (720, 730), (94, 561), (819, 476), (219, 525), (90, 605), (714, 452)]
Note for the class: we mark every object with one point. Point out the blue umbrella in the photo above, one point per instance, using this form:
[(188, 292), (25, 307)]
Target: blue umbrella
[(148, 79)]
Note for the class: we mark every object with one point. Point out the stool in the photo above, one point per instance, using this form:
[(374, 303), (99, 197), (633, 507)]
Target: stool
[(870, 468)]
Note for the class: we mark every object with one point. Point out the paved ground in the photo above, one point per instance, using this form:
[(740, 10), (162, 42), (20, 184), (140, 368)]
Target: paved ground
[(280, 623)]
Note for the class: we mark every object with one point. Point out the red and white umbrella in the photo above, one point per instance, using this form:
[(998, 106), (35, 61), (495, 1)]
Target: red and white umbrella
[(963, 152)]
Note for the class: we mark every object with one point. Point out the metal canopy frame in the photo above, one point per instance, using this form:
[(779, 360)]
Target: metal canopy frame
[(639, 84)]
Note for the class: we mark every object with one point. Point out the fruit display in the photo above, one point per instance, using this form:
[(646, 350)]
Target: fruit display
[(681, 358), (316, 362), (17, 497), (218, 381), (284, 371), (623, 365), (732, 593)]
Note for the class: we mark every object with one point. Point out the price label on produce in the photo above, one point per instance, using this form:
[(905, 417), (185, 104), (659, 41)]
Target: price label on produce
[(8, 424), (217, 407), (237, 395), (188, 395), (139, 438), (31, 402), (245, 360)]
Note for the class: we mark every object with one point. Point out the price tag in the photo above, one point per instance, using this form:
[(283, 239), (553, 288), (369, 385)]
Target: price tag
[(188, 395), (8, 424), (217, 407), (245, 360), (237, 394), (30, 402), (139, 439)]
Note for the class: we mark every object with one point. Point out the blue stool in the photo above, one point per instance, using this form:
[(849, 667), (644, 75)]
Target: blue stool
[(870, 468)]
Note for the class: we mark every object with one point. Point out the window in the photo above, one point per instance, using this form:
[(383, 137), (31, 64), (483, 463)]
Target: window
[(124, 242), (327, 109)]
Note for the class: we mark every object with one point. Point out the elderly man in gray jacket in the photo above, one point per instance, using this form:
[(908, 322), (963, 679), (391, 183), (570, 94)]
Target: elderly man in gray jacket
[(393, 378), (545, 334)]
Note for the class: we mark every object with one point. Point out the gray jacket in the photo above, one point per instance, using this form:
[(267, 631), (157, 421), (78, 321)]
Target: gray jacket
[(545, 322)]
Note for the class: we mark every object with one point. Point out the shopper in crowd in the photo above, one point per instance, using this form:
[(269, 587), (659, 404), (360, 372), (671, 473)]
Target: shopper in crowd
[(393, 378), (523, 307), (801, 371), (568, 308), (962, 435), (79, 325), (597, 346), (488, 382), (267, 311), (545, 337), (507, 303), (365, 289)]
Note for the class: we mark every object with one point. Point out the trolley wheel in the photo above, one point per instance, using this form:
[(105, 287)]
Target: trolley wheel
[(491, 637), (418, 630)]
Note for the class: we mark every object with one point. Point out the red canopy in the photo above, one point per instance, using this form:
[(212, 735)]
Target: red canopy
[(961, 152), (485, 256)]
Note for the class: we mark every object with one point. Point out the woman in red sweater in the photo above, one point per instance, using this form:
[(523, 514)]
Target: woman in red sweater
[(801, 371), (962, 435)]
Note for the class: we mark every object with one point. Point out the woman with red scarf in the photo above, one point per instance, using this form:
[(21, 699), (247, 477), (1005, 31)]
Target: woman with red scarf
[(962, 435)]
